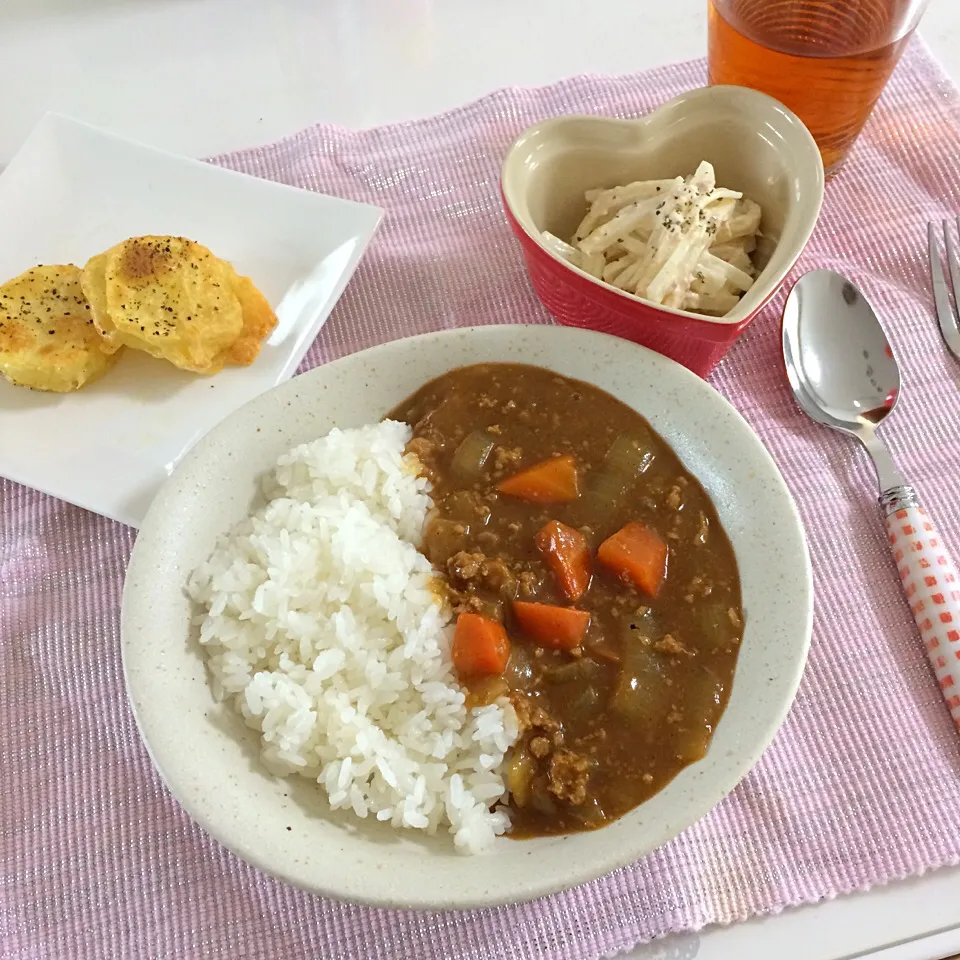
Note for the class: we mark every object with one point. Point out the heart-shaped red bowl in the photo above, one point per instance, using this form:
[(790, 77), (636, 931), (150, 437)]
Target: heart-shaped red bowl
[(755, 144)]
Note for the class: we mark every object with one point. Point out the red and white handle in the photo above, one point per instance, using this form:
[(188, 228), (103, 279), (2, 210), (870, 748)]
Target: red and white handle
[(932, 586)]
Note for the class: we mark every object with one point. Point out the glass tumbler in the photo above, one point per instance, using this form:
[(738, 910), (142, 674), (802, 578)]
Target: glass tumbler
[(827, 60)]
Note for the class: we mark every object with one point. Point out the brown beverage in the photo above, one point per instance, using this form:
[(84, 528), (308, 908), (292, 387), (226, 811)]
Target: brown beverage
[(827, 60)]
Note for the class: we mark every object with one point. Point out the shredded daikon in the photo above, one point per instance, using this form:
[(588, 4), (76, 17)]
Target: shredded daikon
[(683, 243)]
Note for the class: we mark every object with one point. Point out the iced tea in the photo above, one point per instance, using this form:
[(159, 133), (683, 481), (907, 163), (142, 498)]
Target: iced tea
[(827, 60)]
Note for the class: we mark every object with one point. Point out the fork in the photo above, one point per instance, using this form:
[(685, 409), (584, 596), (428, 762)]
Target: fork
[(946, 315)]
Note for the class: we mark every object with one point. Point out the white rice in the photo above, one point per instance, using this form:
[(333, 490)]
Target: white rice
[(321, 628)]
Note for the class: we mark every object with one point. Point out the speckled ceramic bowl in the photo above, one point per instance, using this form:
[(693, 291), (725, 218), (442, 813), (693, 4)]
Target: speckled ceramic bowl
[(209, 760)]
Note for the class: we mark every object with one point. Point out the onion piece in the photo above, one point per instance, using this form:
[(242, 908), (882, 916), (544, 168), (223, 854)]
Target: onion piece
[(471, 456), (628, 457)]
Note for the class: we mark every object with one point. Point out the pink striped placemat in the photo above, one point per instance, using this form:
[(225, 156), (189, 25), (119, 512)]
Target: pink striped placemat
[(860, 787)]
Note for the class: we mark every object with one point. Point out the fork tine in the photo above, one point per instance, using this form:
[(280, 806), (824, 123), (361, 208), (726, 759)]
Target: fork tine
[(941, 298), (953, 263)]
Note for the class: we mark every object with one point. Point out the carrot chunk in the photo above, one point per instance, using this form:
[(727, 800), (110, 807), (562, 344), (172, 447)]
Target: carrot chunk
[(552, 481), (480, 646), (567, 553), (560, 628), (636, 554)]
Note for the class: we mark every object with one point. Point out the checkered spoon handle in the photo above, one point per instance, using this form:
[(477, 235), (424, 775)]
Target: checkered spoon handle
[(932, 588)]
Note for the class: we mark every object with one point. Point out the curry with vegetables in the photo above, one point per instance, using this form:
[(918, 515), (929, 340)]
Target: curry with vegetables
[(592, 582)]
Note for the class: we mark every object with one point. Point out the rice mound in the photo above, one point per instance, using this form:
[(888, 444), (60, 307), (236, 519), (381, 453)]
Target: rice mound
[(320, 626)]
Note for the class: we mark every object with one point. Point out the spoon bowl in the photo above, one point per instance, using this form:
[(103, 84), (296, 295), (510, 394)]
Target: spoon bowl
[(840, 364)]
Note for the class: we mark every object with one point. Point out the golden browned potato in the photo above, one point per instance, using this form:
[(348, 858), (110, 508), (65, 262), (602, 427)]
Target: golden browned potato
[(93, 280), (168, 296), (258, 320), (47, 337)]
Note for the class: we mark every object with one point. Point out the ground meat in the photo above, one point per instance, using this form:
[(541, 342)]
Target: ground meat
[(568, 776), (424, 424), (425, 450), (498, 575), (675, 498), (540, 747), (703, 530), (524, 712), (541, 720), (505, 458), (529, 583), (670, 644), (475, 570), (700, 587), (464, 567), (422, 447), (471, 603), (425, 429), (533, 718)]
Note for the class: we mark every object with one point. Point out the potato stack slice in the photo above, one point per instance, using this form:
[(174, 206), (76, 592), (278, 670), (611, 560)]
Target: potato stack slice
[(173, 299), (48, 340)]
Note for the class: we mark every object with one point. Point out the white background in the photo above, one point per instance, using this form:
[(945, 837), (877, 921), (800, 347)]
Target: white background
[(205, 76)]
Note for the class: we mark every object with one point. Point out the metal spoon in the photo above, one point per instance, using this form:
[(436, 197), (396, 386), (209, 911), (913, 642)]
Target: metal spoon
[(844, 375)]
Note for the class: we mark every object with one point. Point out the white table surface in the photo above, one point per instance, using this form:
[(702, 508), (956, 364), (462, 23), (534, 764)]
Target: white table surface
[(205, 76)]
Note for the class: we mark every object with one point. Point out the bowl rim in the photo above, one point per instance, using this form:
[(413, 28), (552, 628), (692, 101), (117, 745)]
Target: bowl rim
[(178, 508), (808, 175)]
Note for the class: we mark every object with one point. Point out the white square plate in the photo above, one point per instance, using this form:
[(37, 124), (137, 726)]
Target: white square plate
[(73, 191)]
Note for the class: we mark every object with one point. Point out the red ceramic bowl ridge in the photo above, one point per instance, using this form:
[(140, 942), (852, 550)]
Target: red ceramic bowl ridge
[(755, 144)]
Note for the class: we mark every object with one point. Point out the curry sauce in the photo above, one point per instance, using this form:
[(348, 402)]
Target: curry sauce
[(609, 722)]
